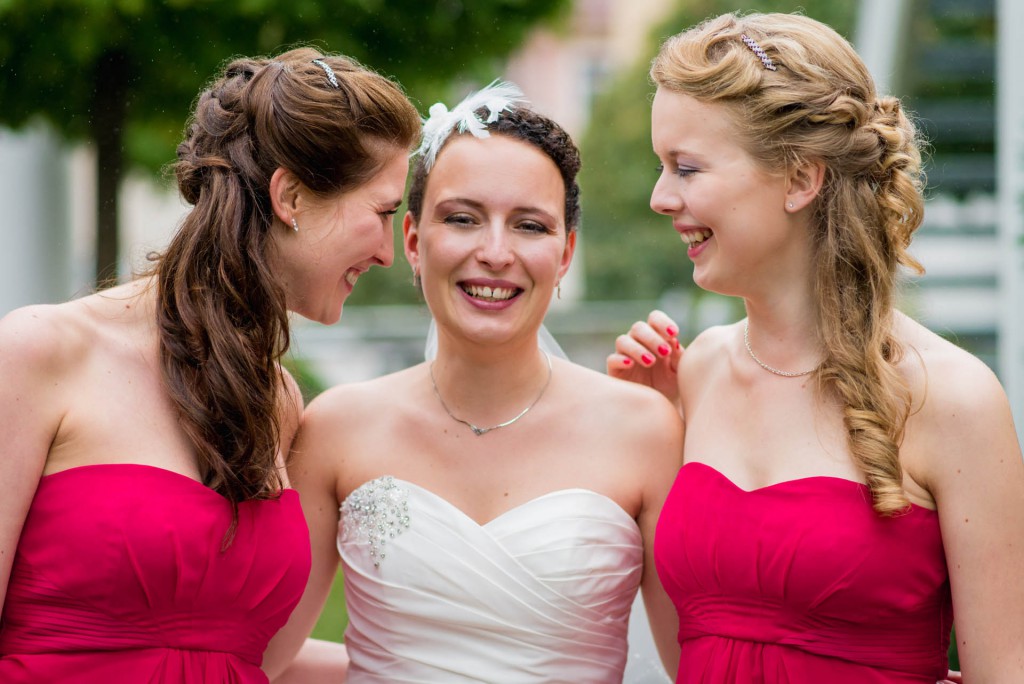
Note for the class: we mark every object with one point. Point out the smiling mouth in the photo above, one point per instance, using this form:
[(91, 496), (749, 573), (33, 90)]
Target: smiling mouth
[(696, 237), (351, 277), (490, 294)]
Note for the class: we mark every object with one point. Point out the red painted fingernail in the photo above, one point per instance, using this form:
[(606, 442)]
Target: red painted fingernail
[(672, 331), (647, 359), (676, 343), (663, 349), (627, 362)]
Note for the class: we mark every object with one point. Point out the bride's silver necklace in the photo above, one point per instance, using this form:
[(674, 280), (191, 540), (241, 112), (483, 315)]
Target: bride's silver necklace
[(478, 431), (762, 364)]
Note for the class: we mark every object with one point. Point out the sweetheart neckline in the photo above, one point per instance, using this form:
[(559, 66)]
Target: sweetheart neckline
[(556, 492), (838, 481), (153, 469)]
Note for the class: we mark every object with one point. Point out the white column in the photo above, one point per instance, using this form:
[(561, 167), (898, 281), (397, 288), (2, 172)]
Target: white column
[(35, 258), (880, 32), (1010, 184)]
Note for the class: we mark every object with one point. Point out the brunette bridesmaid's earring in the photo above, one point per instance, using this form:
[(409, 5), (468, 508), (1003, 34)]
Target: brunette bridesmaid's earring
[(295, 225), (416, 279), (790, 205), (558, 289)]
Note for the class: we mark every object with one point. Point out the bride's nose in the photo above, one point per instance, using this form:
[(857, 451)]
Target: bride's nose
[(495, 247)]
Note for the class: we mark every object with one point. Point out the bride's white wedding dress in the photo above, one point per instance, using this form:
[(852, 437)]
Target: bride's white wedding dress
[(542, 593)]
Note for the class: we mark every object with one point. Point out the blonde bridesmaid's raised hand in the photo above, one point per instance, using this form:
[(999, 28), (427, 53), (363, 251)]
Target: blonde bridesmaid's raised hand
[(649, 355)]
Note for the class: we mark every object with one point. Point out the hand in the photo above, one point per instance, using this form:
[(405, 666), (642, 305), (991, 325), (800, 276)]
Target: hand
[(649, 354)]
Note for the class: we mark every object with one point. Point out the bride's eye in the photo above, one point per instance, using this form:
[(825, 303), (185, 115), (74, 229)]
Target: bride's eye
[(463, 220), (534, 227)]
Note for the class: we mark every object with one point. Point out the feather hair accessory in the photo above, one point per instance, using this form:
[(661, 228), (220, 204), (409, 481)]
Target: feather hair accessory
[(497, 97)]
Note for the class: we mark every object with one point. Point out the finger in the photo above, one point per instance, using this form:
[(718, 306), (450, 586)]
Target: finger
[(653, 340), (673, 361), (663, 324), (619, 362), (631, 347)]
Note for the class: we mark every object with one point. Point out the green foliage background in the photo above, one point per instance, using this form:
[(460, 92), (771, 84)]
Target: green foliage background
[(122, 73), (51, 51)]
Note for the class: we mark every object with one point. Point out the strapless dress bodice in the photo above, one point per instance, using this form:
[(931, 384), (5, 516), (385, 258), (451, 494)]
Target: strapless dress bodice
[(542, 593), (802, 582), (121, 575)]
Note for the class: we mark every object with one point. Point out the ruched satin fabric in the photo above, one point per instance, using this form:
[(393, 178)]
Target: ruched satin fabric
[(802, 583), (119, 576), (542, 593)]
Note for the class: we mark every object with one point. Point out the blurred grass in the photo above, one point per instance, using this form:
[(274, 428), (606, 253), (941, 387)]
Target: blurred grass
[(334, 618)]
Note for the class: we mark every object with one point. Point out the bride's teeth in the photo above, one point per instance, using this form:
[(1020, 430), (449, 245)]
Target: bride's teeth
[(352, 277), (485, 292)]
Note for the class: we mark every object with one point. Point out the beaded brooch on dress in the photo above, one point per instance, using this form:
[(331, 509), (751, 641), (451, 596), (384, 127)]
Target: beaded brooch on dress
[(376, 512)]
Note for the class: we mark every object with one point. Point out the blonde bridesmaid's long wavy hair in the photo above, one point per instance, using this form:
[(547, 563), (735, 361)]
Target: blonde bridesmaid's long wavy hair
[(820, 105)]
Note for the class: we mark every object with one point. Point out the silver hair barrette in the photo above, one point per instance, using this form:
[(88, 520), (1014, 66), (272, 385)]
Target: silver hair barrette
[(328, 70), (761, 54), (497, 97)]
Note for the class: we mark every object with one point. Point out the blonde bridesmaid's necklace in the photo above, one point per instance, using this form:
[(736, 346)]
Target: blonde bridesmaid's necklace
[(478, 431), (762, 364)]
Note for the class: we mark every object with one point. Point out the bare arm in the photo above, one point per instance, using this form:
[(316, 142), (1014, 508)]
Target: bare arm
[(665, 433), (31, 379), (975, 473), (312, 471), (318, 662)]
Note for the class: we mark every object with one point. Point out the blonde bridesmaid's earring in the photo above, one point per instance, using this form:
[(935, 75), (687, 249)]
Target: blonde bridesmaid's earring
[(295, 225)]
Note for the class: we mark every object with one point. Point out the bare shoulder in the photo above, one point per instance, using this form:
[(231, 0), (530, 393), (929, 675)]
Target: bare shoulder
[(348, 406), (343, 430), (341, 420), (613, 395), (711, 340), (44, 338), (960, 411), (636, 414), (707, 348), (704, 359), (42, 350), (948, 382)]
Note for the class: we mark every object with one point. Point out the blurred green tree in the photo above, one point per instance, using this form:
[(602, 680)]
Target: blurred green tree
[(631, 253), (121, 73)]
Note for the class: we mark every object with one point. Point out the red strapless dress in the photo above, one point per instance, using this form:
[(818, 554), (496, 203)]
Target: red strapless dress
[(119, 578), (802, 583)]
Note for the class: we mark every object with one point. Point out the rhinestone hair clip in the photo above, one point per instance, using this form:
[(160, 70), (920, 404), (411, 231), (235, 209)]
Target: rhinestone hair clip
[(761, 54), (329, 71)]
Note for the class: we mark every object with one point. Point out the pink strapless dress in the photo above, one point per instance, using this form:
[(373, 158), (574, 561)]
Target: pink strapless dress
[(119, 578), (801, 583)]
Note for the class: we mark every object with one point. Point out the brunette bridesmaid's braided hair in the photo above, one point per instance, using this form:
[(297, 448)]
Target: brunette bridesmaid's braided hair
[(221, 311), (807, 96)]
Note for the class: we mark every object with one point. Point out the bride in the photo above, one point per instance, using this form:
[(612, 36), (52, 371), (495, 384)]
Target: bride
[(494, 507)]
